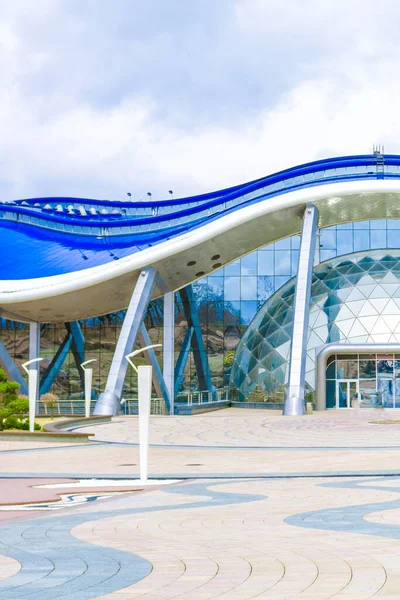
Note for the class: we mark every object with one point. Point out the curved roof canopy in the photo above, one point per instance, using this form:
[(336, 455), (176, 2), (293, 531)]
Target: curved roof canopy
[(68, 258)]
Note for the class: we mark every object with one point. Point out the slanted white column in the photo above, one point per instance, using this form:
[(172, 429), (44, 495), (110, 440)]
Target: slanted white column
[(294, 403), (169, 346), (108, 402), (34, 352)]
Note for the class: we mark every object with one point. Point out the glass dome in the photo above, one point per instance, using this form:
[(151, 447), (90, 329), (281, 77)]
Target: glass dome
[(354, 299)]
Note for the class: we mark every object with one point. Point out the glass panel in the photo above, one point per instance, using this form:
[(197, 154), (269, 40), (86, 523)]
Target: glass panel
[(347, 369), (367, 369), (328, 239), (378, 238), (344, 242), (283, 244), (266, 262), (330, 394), (353, 394), (397, 368), (232, 288), (249, 288), (249, 264), (282, 262), (361, 240), (378, 224), (342, 394), (396, 386), (233, 268), (296, 242), (385, 368), (385, 392), (331, 370), (368, 393)]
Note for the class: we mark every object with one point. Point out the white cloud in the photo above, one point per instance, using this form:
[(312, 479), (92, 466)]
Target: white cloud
[(65, 133)]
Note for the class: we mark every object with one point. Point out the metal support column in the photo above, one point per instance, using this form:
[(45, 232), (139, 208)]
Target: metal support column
[(169, 346), (158, 379), (294, 403), (199, 352), (34, 352), (108, 402)]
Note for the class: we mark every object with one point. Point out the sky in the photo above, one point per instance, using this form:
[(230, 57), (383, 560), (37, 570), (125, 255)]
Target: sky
[(103, 97)]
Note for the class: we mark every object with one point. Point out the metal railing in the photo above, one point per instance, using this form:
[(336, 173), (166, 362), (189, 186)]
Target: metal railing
[(190, 398)]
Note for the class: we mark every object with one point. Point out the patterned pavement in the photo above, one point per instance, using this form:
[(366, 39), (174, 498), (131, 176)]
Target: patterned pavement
[(317, 537)]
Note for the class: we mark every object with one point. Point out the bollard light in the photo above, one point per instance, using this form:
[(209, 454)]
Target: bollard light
[(32, 387), (144, 373), (88, 384)]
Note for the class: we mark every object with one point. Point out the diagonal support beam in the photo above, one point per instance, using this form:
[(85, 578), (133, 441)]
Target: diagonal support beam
[(294, 403), (12, 370), (109, 401), (199, 352), (158, 379), (77, 347), (54, 367), (182, 359)]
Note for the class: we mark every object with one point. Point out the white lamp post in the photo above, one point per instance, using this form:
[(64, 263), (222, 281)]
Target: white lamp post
[(88, 385), (144, 392), (32, 387)]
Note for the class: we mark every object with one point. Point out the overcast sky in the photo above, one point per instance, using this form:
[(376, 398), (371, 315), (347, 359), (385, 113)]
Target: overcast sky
[(102, 97)]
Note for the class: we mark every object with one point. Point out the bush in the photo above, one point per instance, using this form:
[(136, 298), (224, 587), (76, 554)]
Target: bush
[(11, 405)]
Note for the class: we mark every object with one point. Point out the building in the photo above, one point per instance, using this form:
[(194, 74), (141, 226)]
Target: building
[(282, 289)]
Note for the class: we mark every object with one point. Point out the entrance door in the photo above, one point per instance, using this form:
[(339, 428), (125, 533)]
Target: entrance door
[(346, 391)]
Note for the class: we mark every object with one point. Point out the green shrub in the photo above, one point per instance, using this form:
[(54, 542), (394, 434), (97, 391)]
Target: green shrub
[(13, 408)]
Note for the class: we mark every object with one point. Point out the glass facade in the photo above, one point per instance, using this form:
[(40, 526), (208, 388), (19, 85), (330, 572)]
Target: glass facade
[(228, 301), (373, 379), (355, 299)]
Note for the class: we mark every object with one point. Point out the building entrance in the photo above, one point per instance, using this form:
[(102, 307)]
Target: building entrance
[(346, 391)]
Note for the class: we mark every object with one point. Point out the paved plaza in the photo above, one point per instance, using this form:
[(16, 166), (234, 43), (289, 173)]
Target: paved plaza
[(263, 506)]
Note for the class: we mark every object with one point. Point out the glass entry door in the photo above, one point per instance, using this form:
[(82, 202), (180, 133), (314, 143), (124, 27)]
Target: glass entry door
[(346, 391)]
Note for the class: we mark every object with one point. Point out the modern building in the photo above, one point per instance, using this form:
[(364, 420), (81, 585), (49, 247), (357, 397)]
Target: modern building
[(269, 293)]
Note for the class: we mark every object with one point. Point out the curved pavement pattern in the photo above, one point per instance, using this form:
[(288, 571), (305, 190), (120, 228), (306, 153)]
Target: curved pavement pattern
[(233, 540)]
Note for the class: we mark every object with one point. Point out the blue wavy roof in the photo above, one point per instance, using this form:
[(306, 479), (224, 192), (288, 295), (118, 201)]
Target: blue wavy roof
[(40, 237)]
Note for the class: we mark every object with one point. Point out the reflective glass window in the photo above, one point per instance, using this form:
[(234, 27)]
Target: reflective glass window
[(283, 244), (232, 313), (249, 264), (361, 225), (361, 240), (393, 238), (249, 288), (347, 369), (216, 286), (327, 254), (296, 242), (344, 226), (233, 268), (378, 224), (393, 223), (282, 262), (331, 370), (344, 242), (378, 238), (368, 392), (295, 261), (265, 287), (367, 369), (232, 288), (328, 239), (247, 312), (266, 262), (385, 366), (280, 281)]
